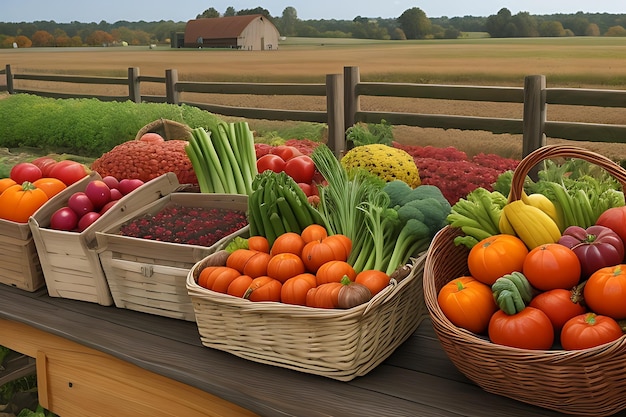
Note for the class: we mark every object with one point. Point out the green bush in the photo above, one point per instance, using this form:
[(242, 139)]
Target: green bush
[(86, 127)]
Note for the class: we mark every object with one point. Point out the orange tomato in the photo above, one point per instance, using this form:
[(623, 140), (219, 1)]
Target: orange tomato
[(496, 256), (467, 303), (552, 266), (373, 279), (6, 183), (605, 292)]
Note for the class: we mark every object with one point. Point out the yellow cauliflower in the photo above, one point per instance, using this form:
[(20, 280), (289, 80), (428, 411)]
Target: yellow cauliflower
[(384, 161)]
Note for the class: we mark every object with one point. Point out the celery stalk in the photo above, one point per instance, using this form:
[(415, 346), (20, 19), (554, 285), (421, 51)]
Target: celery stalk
[(227, 156), (216, 172)]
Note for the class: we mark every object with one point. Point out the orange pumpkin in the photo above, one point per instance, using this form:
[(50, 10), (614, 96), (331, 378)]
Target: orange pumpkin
[(223, 279), (295, 289), (318, 252), (257, 264), (51, 186), (239, 286), (19, 202), (324, 296), (313, 232), (467, 303), (373, 279), (496, 256), (263, 288), (259, 243), (334, 271), (6, 183), (284, 266), (238, 258), (289, 242), (203, 277)]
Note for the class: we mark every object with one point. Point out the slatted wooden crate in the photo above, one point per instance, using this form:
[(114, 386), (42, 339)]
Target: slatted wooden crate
[(150, 276), (69, 260), (19, 262)]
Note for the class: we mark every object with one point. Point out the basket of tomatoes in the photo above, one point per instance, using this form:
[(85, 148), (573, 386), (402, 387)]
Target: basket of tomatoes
[(537, 324), (294, 305)]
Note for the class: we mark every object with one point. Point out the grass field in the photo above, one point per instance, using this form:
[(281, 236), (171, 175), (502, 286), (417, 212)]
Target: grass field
[(577, 62)]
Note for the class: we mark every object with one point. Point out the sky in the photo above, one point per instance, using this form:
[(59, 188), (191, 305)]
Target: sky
[(65, 11)]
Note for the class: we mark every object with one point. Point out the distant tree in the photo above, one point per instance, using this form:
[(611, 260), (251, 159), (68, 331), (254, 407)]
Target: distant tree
[(414, 23), (451, 33), (616, 31), (577, 23), (525, 25), (364, 28), (592, 30), (42, 38), (398, 34), (289, 21), (63, 41), (208, 13), (256, 10), (230, 11), (99, 38), (23, 41), (500, 25), (551, 28)]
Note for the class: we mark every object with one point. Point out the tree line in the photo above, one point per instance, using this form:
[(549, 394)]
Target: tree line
[(413, 23)]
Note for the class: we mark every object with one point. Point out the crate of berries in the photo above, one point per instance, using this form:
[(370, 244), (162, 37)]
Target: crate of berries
[(147, 255)]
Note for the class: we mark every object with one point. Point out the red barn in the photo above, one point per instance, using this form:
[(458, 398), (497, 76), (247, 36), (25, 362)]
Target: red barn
[(249, 32)]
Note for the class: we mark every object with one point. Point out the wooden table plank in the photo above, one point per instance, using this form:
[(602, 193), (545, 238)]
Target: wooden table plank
[(417, 380)]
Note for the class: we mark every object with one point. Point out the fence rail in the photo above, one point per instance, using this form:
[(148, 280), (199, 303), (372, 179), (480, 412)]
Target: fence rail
[(343, 93)]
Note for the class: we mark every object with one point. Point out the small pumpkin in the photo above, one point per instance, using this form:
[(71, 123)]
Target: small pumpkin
[(334, 271), (373, 279), (289, 242), (263, 288), (284, 266), (239, 286), (467, 303), (313, 232), (239, 257), (19, 202), (318, 252), (324, 296), (259, 243), (295, 289)]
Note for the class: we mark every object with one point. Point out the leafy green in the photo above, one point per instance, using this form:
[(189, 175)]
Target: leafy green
[(85, 127), (370, 133)]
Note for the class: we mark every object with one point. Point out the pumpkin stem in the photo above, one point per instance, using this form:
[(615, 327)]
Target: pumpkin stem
[(28, 186), (577, 293), (345, 280)]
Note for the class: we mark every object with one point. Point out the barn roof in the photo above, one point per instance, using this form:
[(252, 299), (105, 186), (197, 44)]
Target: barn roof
[(219, 27)]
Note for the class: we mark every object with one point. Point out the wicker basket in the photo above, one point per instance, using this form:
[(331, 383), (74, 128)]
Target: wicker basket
[(339, 344), (587, 382), (169, 129)]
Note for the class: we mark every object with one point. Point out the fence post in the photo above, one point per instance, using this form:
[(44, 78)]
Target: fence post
[(134, 89), (352, 101), (335, 112), (534, 113), (171, 78), (9, 76)]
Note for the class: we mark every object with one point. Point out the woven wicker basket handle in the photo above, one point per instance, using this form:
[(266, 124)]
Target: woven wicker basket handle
[(561, 151), (169, 129)]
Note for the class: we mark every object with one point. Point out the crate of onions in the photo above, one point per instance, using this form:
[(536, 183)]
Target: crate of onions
[(147, 255)]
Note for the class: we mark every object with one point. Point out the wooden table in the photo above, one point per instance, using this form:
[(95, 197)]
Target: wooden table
[(104, 361)]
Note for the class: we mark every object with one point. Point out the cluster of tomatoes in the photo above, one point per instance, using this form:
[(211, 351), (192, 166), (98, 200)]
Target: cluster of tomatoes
[(307, 269), (578, 288), (31, 184), (290, 160)]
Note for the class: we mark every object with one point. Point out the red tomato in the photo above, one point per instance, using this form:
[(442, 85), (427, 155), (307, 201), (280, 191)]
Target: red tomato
[(589, 330), (615, 219), (300, 168), (25, 171), (286, 152), (270, 161), (68, 171), (45, 163), (552, 266), (558, 306), (529, 329)]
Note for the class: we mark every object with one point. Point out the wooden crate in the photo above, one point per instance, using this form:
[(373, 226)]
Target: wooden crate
[(19, 262), (69, 260), (150, 276)]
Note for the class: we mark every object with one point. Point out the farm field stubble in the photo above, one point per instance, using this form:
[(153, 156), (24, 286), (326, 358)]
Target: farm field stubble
[(566, 62)]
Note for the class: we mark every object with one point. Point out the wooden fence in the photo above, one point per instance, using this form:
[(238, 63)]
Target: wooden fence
[(343, 94)]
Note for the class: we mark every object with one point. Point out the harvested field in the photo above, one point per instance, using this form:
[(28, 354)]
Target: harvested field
[(566, 62)]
